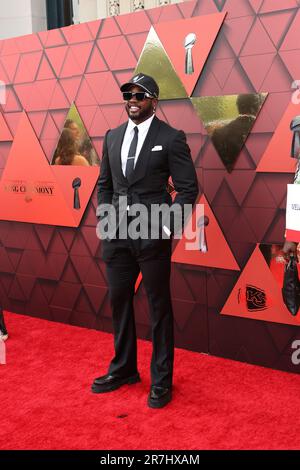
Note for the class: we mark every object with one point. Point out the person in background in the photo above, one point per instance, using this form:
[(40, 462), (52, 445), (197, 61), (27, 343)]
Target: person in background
[(88, 152), (290, 247), (3, 330), (67, 151), (229, 139), (74, 128)]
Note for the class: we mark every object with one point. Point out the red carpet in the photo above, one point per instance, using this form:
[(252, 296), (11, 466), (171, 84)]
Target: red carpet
[(218, 404)]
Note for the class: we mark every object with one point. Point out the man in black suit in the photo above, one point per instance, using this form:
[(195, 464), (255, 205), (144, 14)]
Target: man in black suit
[(138, 158)]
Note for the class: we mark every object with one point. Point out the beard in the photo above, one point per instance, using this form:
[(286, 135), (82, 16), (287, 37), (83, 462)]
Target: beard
[(141, 113)]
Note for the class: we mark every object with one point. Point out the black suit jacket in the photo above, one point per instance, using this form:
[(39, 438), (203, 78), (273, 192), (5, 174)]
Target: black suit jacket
[(148, 182)]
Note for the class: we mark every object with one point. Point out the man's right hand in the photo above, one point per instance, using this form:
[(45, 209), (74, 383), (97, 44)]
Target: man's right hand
[(290, 248)]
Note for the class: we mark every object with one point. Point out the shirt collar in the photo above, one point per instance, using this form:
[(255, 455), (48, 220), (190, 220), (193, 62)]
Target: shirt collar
[(143, 126)]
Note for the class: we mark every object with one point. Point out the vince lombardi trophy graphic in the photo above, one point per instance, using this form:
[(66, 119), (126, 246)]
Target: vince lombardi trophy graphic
[(203, 221), (76, 183), (189, 42)]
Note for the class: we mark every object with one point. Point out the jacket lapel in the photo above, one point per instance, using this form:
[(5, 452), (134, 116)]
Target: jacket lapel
[(143, 158), (115, 152)]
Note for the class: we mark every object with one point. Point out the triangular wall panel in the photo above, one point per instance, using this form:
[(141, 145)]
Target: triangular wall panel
[(33, 191), (258, 41), (154, 62), (96, 62), (117, 53), (228, 121), (277, 157), (277, 24), (257, 294), (21, 176), (218, 255), (205, 30)]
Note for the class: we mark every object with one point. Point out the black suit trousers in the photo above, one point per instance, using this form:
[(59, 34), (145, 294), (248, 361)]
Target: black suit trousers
[(123, 264)]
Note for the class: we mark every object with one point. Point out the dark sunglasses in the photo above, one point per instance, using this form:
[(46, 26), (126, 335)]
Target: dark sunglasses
[(140, 95)]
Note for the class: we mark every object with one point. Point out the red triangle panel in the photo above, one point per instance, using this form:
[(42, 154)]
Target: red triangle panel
[(257, 294), (218, 255), (276, 158)]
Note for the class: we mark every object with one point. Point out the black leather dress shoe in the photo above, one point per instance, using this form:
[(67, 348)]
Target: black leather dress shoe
[(159, 397), (108, 383)]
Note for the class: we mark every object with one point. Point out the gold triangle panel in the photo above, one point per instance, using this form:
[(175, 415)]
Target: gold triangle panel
[(228, 121), (75, 146), (155, 62)]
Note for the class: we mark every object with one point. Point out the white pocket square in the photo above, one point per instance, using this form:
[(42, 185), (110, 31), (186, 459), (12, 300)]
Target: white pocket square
[(156, 148)]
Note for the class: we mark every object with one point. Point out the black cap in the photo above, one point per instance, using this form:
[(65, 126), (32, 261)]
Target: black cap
[(146, 82)]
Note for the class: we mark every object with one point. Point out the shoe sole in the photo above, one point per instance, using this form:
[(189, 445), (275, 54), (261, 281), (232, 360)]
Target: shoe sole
[(159, 404), (111, 388)]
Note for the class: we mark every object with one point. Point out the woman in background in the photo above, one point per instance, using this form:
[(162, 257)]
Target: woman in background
[(67, 151), (73, 126)]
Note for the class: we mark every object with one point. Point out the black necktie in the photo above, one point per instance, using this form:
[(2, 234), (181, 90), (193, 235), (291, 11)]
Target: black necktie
[(131, 153)]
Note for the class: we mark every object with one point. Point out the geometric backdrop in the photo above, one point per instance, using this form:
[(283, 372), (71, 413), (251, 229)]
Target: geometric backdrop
[(56, 272)]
